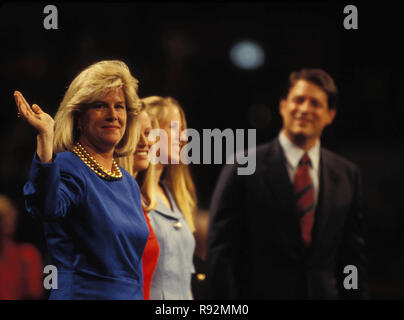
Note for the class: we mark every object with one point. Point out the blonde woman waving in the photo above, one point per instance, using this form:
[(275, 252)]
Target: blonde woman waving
[(93, 220)]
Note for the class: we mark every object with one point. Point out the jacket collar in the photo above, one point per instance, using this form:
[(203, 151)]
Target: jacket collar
[(161, 208)]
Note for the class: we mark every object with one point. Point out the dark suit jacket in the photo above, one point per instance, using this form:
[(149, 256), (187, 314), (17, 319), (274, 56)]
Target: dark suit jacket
[(255, 247)]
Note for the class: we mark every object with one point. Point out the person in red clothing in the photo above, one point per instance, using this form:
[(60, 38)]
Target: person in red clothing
[(150, 258), (140, 168), (20, 264)]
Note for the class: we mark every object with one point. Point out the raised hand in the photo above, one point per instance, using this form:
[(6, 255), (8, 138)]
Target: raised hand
[(41, 121), (34, 115)]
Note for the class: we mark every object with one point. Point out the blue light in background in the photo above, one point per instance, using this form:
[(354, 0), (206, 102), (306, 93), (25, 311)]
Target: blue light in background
[(247, 55)]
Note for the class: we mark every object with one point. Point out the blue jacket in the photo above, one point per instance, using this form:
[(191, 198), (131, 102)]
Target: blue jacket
[(95, 229)]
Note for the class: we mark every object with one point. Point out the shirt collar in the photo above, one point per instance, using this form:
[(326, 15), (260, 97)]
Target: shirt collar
[(293, 153)]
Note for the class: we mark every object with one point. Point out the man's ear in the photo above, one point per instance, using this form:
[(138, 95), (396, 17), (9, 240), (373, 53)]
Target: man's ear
[(282, 105), (331, 115)]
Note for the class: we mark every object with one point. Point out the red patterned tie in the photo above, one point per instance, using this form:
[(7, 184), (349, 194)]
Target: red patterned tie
[(304, 192)]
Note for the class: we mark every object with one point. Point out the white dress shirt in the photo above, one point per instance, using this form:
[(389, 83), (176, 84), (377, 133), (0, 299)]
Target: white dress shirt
[(293, 154)]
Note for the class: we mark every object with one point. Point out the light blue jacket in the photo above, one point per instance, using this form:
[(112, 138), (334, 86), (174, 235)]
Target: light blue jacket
[(172, 277)]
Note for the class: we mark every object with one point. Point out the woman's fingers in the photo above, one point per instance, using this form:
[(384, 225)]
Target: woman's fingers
[(25, 104), (21, 101), (34, 115), (17, 102), (16, 99), (20, 105), (36, 109), (24, 109)]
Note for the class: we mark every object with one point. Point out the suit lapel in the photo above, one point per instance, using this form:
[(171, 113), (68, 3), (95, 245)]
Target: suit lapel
[(328, 188), (277, 179), (161, 208)]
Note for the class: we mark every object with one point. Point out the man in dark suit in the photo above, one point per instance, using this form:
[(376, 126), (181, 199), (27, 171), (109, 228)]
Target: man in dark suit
[(289, 230)]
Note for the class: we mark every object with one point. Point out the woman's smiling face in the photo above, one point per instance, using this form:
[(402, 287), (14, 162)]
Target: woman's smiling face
[(172, 125), (103, 124), (141, 156)]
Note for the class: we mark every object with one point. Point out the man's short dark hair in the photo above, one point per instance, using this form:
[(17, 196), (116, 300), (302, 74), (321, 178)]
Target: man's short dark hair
[(318, 77)]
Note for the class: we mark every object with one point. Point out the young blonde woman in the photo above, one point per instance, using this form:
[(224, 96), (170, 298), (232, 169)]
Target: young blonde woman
[(93, 220), (138, 165), (172, 218)]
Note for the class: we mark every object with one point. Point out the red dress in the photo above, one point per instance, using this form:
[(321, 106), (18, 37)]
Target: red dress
[(20, 272), (150, 257)]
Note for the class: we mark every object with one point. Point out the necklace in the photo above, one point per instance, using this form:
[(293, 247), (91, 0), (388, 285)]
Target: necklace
[(93, 164)]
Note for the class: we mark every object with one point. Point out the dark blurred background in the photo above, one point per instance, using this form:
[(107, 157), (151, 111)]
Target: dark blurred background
[(184, 50)]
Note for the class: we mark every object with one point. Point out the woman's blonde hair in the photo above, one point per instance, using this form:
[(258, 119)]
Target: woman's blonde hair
[(176, 177), (91, 84), (144, 178)]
